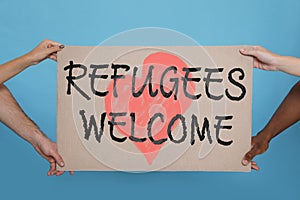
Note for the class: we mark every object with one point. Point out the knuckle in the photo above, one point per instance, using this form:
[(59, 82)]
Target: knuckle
[(249, 156), (51, 152), (258, 47)]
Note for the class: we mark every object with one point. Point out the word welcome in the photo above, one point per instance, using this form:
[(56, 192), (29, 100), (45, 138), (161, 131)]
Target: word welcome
[(194, 128)]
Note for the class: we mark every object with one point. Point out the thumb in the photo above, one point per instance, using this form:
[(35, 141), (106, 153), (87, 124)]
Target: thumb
[(250, 51), (250, 155), (54, 49), (58, 159)]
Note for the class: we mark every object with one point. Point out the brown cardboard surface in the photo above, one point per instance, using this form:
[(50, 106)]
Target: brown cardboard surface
[(83, 151)]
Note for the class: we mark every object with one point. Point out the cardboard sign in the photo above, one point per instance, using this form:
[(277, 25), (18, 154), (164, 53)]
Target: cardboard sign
[(173, 108)]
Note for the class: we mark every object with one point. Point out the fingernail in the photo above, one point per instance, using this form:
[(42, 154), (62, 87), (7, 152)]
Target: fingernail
[(245, 162), (62, 164), (242, 50), (62, 46)]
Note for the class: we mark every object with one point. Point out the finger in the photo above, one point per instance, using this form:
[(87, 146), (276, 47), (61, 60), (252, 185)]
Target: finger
[(54, 49), (51, 42), (256, 63), (250, 155), (254, 166), (71, 173), (53, 57), (54, 54), (52, 169), (58, 173), (51, 173), (50, 45)]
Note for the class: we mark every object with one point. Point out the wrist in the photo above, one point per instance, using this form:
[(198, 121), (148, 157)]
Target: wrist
[(36, 137), (278, 62), (284, 61), (29, 59), (266, 135)]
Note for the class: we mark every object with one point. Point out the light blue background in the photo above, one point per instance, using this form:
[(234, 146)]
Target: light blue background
[(23, 24)]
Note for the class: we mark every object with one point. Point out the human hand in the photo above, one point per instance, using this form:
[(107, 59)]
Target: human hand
[(262, 58), (259, 145), (48, 150), (46, 49)]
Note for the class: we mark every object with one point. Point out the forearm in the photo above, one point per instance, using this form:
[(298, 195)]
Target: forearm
[(11, 68), (286, 115), (288, 64), (13, 116)]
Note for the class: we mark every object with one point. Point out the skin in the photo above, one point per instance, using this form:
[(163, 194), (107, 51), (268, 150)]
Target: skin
[(266, 60), (12, 115), (46, 49), (287, 113)]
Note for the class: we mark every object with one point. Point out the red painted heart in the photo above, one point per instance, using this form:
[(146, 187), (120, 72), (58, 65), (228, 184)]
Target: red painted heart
[(146, 106)]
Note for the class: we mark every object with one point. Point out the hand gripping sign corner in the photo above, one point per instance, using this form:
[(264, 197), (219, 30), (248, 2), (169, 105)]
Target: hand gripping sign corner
[(137, 108)]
